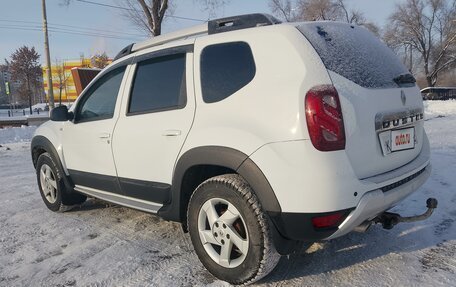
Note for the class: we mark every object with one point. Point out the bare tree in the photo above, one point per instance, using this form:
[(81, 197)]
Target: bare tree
[(147, 16), (212, 6), (84, 63), (307, 10), (25, 68), (99, 60), (62, 78), (315, 10), (428, 27), (283, 9), (351, 16)]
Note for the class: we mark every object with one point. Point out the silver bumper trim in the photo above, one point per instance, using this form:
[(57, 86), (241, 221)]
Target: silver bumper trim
[(375, 202)]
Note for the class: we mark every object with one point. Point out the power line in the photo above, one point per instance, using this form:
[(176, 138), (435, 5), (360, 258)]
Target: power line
[(72, 26), (27, 29), (72, 32), (64, 31), (129, 9), (84, 31), (101, 30), (55, 28), (18, 21)]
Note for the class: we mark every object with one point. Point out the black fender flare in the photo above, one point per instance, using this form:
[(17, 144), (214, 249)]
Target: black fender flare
[(42, 143), (223, 157)]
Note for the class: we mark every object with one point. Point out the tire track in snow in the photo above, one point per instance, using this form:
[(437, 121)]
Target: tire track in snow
[(162, 255)]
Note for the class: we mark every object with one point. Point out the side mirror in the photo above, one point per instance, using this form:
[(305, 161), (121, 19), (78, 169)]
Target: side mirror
[(61, 114)]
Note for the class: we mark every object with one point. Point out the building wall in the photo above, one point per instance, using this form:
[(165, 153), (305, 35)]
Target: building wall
[(68, 88), (13, 97), (3, 96)]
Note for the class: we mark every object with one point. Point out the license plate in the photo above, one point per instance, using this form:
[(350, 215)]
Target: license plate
[(397, 140), (402, 139)]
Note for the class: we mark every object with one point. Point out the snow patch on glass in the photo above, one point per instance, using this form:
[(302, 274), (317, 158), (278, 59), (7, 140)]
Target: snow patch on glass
[(354, 53)]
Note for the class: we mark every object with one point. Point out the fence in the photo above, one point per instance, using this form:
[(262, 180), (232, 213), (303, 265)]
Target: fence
[(20, 113)]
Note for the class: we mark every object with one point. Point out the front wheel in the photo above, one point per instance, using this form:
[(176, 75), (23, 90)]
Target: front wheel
[(50, 182), (229, 231)]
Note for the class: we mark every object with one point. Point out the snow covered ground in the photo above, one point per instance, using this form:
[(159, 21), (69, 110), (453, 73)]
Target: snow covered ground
[(16, 134), (105, 245)]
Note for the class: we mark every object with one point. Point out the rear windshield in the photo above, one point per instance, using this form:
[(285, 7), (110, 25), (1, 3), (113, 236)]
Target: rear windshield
[(354, 53)]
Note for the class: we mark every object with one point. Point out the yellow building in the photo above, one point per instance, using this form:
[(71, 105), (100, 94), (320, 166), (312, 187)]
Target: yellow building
[(62, 80)]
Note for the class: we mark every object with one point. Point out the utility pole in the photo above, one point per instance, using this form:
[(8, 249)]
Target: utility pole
[(48, 57)]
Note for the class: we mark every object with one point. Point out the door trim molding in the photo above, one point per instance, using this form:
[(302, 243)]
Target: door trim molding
[(139, 204)]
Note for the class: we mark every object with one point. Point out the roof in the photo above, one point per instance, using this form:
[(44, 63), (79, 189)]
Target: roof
[(211, 27)]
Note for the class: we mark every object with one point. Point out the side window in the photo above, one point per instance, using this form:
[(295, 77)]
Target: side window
[(100, 100), (225, 69), (158, 85)]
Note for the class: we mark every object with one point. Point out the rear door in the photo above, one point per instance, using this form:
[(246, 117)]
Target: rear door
[(383, 112), (154, 123)]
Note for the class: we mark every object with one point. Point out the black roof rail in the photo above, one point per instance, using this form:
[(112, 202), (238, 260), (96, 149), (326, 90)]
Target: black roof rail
[(124, 52), (213, 27), (240, 22)]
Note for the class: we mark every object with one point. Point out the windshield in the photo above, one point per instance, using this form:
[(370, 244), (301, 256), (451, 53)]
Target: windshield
[(354, 53)]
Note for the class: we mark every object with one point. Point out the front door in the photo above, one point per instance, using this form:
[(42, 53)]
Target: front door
[(87, 140)]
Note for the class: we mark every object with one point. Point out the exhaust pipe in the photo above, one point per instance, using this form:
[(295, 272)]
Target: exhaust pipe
[(363, 227), (388, 219)]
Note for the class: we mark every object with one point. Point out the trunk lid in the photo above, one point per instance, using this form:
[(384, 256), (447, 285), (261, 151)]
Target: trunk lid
[(381, 105), (373, 118)]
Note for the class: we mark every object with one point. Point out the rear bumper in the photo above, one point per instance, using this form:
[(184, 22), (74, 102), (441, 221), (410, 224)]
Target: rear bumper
[(308, 184), (377, 201), (298, 226), (305, 180)]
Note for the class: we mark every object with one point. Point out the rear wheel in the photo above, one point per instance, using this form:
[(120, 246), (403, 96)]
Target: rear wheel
[(229, 230), (52, 188)]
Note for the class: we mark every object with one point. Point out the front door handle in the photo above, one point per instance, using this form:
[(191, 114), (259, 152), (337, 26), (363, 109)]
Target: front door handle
[(104, 135), (171, 133)]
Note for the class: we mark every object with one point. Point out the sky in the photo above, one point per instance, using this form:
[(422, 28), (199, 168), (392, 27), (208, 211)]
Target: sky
[(110, 31)]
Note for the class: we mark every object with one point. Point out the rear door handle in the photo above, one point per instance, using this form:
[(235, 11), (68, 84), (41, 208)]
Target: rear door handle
[(171, 133), (104, 135)]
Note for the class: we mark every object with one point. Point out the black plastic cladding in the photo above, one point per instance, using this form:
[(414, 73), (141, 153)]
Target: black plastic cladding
[(225, 25), (240, 22), (124, 52)]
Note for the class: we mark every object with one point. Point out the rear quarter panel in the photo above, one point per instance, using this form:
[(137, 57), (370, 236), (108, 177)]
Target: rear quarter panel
[(271, 107)]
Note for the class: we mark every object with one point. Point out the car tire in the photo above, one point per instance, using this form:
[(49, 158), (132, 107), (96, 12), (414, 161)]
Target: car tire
[(52, 187), (229, 231)]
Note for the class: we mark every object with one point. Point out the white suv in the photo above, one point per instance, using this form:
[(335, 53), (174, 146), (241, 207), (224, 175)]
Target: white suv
[(256, 135)]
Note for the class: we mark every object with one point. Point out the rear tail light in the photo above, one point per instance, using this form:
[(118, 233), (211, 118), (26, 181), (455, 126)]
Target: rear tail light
[(324, 118), (329, 220)]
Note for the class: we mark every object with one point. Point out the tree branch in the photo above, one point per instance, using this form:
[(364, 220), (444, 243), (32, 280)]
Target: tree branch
[(148, 15)]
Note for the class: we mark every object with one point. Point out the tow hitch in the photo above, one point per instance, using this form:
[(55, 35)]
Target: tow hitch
[(388, 219)]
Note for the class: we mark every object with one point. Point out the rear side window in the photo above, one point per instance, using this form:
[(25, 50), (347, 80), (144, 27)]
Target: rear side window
[(225, 69), (159, 85), (354, 53)]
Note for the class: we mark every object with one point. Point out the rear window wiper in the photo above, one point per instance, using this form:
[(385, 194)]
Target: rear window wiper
[(405, 79)]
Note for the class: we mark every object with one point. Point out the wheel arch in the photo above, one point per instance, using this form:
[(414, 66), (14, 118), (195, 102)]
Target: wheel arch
[(40, 145), (201, 163)]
